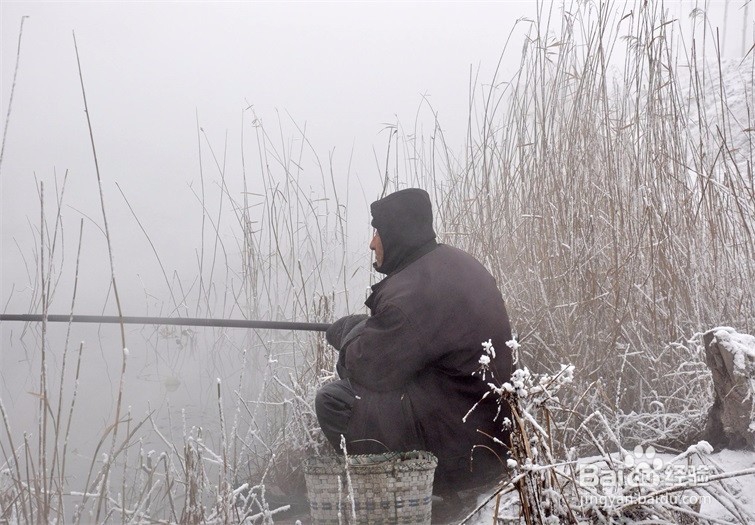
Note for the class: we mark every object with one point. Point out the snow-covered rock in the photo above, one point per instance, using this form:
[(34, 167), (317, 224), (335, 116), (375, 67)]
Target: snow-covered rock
[(731, 358)]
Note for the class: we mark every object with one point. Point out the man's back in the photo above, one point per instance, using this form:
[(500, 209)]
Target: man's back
[(423, 341), (408, 369)]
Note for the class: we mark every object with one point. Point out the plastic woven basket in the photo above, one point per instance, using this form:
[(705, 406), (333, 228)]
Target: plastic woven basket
[(390, 488)]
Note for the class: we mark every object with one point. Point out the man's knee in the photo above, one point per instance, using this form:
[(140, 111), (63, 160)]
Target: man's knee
[(322, 400), (336, 396), (333, 404)]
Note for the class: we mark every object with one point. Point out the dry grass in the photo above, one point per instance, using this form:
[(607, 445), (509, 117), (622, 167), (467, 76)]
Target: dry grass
[(551, 486), (608, 185), (237, 466)]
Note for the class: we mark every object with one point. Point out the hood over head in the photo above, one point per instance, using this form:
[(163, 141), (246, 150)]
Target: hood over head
[(404, 221)]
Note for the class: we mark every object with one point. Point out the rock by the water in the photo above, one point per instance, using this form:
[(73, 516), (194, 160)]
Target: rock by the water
[(730, 356)]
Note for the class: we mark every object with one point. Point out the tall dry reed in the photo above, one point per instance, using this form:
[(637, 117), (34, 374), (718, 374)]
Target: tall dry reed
[(608, 185)]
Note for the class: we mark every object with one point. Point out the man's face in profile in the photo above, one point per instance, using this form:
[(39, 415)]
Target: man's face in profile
[(377, 246)]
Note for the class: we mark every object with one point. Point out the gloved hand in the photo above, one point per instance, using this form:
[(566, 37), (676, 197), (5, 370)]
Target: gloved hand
[(340, 332)]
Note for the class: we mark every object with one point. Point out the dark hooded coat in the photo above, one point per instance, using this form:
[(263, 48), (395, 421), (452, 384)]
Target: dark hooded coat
[(413, 363)]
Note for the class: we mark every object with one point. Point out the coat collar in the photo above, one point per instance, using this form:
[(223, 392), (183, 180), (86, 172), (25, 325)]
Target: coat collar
[(416, 254)]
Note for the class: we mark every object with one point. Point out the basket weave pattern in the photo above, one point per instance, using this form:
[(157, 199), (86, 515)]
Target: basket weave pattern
[(391, 488)]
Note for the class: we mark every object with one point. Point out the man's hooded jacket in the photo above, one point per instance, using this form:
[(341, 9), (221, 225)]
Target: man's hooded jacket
[(413, 363)]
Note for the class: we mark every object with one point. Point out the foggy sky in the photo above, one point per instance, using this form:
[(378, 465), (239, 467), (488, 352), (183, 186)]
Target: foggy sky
[(152, 69)]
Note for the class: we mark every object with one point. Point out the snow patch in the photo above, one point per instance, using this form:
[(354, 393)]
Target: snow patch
[(740, 346)]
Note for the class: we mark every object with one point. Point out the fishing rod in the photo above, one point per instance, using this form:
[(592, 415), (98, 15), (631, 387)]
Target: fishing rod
[(176, 321)]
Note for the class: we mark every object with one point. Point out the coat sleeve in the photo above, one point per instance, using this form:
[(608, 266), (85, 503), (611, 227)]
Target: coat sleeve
[(387, 353)]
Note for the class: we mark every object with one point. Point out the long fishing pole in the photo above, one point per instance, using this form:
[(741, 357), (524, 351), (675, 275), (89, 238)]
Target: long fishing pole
[(176, 321)]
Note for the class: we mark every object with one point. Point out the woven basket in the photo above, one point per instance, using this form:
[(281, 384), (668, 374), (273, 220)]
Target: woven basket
[(390, 488)]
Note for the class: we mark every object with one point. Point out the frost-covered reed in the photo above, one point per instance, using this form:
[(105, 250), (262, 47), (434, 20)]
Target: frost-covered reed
[(608, 184)]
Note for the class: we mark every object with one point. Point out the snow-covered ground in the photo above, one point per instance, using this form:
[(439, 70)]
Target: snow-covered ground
[(739, 488), (742, 487)]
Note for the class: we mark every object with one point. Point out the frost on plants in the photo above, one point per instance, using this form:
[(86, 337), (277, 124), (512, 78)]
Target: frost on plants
[(549, 485), (484, 361)]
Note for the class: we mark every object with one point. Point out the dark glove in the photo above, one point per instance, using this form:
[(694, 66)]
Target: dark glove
[(340, 332)]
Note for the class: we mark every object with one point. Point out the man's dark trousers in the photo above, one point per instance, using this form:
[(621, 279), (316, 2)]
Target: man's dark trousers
[(333, 405)]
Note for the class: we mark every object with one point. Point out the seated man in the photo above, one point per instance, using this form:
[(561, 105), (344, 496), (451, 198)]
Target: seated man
[(407, 370)]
